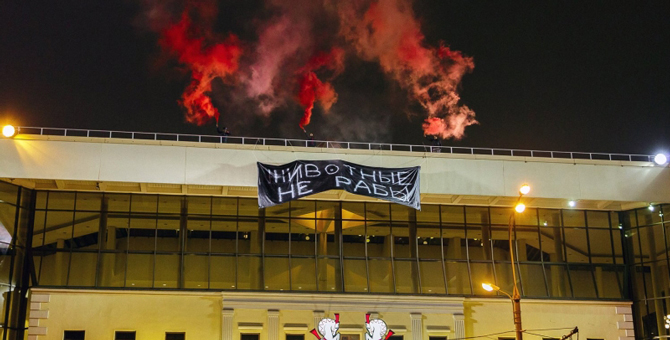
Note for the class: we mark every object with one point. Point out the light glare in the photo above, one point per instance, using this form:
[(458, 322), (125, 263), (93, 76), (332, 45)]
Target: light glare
[(520, 207), (661, 159), (8, 131), (525, 189), (487, 287), (572, 204), (651, 207)]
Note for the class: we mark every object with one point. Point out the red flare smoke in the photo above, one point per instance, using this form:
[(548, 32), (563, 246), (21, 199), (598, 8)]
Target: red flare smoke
[(205, 62), (312, 89)]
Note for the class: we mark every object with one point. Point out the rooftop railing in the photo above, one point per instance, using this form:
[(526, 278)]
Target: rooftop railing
[(179, 137)]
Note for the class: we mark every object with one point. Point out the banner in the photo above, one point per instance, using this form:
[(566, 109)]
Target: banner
[(282, 183)]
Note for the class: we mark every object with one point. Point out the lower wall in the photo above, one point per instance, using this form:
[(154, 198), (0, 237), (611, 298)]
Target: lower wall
[(225, 316)]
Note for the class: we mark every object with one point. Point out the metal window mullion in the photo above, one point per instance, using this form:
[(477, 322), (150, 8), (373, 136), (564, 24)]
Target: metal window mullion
[(10, 292), (565, 254), (544, 269), (467, 250), (588, 248), (444, 265), (69, 261), (365, 245), (154, 255)]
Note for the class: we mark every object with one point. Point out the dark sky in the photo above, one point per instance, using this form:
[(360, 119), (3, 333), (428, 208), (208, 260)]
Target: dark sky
[(550, 75)]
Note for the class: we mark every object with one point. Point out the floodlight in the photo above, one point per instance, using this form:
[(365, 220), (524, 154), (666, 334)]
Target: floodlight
[(520, 207), (525, 189), (572, 204), (661, 159), (489, 287), (8, 131)]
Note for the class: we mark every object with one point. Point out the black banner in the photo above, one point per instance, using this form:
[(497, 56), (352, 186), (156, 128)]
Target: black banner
[(282, 183)]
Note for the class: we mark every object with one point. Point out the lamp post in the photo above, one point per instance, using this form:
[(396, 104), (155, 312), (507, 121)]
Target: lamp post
[(515, 296)]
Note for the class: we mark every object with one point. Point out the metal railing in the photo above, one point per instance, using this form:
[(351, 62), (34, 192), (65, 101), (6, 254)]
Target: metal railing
[(179, 137)]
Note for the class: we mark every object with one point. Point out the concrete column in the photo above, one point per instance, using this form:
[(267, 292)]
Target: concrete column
[(486, 235), (557, 277), (318, 315), (273, 324), (414, 252), (227, 324), (417, 326), (454, 252), (459, 326), (655, 274)]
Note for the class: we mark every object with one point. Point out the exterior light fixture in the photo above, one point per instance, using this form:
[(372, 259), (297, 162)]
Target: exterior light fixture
[(650, 207), (520, 207), (572, 204), (525, 189), (489, 287), (8, 131), (661, 159)]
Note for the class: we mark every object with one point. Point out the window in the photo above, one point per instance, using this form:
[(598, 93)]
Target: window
[(437, 338), (295, 337), (175, 336), (249, 336), (73, 335), (395, 337), (123, 335), (350, 337)]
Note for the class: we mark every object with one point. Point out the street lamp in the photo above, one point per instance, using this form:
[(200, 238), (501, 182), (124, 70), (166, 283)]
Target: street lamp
[(8, 131)]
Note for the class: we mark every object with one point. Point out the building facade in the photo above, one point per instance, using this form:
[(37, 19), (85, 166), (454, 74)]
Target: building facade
[(108, 238)]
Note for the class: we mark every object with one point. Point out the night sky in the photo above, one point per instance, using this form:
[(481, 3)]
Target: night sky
[(549, 75)]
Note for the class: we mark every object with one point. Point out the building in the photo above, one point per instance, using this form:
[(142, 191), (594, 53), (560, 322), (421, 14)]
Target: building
[(111, 235)]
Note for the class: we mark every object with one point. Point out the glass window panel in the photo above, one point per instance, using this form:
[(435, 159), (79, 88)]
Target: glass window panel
[(557, 281), (428, 213), (614, 219), (453, 237), (608, 283), (402, 244), (142, 233), (527, 218), (86, 231), (648, 217), (303, 238), (481, 272), (59, 227), (598, 219), (432, 277), (89, 201), (38, 231), (353, 211), (452, 214), (249, 273), (250, 240), (576, 245), (503, 277), (198, 205), (37, 262), (276, 273), (458, 278), (8, 192), (327, 243), (402, 213), (167, 271), (652, 243), (500, 216), (303, 209), (144, 203), (276, 236), (54, 268), (140, 271), (478, 249), (329, 274), (477, 215), (582, 281), (634, 236), (197, 237), (406, 277), (169, 204), (196, 270), (116, 236), (224, 233), (429, 240), (112, 269), (8, 219), (118, 202), (532, 280), (552, 243), (303, 274), (379, 240), (499, 242), (355, 276), (5, 264), (222, 271), (82, 269), (573, 218), (528, 244), (381, 275), (281, 210), (248, 207), (601, 245), (549, 217), (168, 234), (618, 246), (327, 209), (228, 206), (377, 211), (59, 200), (40, 202), (353, 238)]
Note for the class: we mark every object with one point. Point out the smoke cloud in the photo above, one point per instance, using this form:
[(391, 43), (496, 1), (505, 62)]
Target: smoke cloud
[(292, 55)]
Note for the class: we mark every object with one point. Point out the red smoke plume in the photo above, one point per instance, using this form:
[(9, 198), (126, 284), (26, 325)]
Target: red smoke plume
[(388, 32), (312, 89), (205, 62)]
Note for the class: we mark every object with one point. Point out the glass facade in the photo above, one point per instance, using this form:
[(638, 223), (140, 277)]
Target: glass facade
[(222, 243)]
